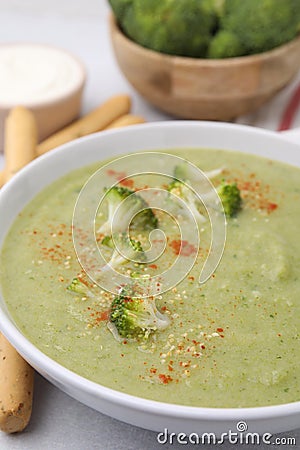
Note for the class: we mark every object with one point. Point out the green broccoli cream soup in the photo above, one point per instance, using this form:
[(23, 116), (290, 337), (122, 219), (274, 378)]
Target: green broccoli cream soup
[(233, 341)]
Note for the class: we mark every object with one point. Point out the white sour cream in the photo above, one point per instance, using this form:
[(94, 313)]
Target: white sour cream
[(33, 73)]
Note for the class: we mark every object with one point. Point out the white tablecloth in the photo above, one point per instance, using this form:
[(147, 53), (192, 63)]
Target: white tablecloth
[(59, 422)]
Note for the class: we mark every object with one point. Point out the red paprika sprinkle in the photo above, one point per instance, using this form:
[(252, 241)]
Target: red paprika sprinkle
[(127, 183), (117, 175), (104, 315), (271, 207), (165, 379), (183, 248)]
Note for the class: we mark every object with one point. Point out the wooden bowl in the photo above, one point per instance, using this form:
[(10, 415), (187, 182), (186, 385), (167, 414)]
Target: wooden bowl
[(211, 89)]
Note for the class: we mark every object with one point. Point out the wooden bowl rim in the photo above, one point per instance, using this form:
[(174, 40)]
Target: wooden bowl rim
[(202, 62)]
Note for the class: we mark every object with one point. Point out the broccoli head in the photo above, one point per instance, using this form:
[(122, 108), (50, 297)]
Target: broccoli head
[(181, 172), (259, 25), (130, 250), (230, 196), (209, 28), (77, 286), (136, 318), (189, 198), (120, 7), (136, 208), (225, 44), (175, 27)]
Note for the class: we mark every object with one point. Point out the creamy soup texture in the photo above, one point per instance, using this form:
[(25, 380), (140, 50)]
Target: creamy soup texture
[(232, 342)]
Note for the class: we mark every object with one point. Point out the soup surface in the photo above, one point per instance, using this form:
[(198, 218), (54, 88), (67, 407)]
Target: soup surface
[(231, 342)]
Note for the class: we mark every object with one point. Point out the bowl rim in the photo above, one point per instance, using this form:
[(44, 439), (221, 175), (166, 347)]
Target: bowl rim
[(186, 61), (71, 91), (44, 364)]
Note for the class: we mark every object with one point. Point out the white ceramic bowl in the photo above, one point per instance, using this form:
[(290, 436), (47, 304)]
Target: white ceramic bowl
[(144, 413)]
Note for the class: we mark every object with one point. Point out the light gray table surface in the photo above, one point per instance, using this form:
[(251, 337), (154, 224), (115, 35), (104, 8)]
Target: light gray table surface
[(58, 421)]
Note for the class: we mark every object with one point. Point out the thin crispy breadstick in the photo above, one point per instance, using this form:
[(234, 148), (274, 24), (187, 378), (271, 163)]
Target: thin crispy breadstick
[(20, 140), (96, 120), (2, 178), (16, 375), (125, 121), (16, 384)]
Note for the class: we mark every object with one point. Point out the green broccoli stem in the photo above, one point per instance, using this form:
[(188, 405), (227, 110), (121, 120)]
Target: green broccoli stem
[(135, 318)]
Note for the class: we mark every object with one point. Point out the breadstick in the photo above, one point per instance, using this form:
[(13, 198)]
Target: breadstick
[(20, 140), (16, 376), (2, 178), (16, 382), (96, 120), (125, 121)]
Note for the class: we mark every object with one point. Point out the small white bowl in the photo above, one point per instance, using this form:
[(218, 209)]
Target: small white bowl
[(47, 80), (44, 170)]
